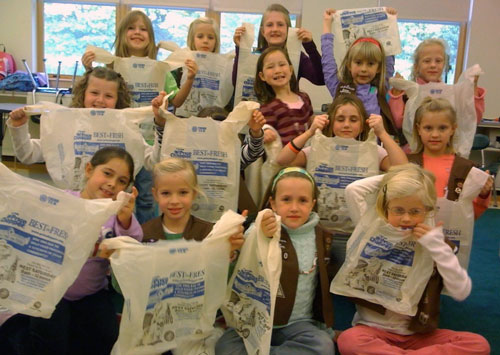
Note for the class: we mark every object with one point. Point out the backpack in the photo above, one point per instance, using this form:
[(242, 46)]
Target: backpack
[(7, 63)]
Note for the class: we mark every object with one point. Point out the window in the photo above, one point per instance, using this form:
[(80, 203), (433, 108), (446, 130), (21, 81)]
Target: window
[(68, 28), (230, 20), (414, 32), (170, 24)]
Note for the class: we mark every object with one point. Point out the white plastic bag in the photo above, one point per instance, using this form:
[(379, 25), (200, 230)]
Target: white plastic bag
[(66, 151), (384, 265), (251, 294), (247, 62), (214, 149), (172, 290), (349, 25), (460, 96), (145, 77), (458, 216), (46, 235), (335, 162), (212, 84)]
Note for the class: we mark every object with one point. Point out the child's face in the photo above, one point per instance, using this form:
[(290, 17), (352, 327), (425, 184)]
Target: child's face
[(174, 196), (347, 122), (363, 71), (204, 37), (100, 93), (431, 63), (275, 70), (106, 180), (137, 38), (406, 212), (435, 131), (274, 29), (293, 201)]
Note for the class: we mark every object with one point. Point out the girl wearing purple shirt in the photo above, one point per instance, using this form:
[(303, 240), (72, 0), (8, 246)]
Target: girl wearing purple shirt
[(84, 321)]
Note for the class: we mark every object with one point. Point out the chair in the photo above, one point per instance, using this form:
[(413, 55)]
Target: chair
[(481, 142)]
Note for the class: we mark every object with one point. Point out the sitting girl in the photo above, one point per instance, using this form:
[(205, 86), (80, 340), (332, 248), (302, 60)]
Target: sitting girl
[(405, 197), (304, 278)]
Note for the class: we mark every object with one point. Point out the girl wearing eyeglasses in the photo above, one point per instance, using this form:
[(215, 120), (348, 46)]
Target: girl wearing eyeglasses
[(405, 200)]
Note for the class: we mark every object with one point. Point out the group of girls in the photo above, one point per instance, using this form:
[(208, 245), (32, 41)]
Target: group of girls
[(84, 320)]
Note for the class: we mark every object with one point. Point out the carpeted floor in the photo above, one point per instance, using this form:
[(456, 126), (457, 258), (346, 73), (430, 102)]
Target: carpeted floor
[(480, 312)]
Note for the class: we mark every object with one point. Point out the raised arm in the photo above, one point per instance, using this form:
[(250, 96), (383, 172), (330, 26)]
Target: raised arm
[(360, 195), (27, 150), (328, 63)]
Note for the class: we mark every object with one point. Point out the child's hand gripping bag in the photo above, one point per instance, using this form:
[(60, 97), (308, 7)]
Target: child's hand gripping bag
[(251, 293), (214, 149), (460, 96), (172, 290), (351, 24), (46, 235), (258, 175), (335, 162), (212, 84), (86, 130), (145, 77)]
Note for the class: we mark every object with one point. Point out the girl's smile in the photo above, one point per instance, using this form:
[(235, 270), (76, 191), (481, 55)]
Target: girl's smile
[(137, 38), (276, 71), (347, 122)]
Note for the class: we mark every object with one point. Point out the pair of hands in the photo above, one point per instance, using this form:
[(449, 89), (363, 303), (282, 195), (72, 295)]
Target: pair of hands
[(374, 121), (329, 13), (236, 240), (89, 56), (304, 35)]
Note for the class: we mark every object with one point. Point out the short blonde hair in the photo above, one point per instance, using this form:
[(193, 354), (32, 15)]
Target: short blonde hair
[(416, 54), (177, 165), (205, 21), (364, 48), (404, 181), (430, 104)]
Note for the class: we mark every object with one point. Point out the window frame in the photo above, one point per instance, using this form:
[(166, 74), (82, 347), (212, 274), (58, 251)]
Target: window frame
[(122, 9)]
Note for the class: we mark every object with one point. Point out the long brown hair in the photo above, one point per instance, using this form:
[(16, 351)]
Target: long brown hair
[(263, 90), (261, 41), (347, 99), (120, 44), (101, 73)]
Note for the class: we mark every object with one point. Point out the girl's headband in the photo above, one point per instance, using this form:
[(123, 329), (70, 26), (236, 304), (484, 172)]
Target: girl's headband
[(291, 170), (366, 39)]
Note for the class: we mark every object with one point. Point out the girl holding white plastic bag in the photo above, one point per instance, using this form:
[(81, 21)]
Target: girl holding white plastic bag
[(302, 295), (394, 220), (175, 188), (273, 32), (429, 61), (135, 37), (346, 119), (84, 321), (434, 129), (99, 88)]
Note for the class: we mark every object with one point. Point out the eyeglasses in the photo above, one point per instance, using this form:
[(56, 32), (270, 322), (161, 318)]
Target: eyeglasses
[(413, 212)]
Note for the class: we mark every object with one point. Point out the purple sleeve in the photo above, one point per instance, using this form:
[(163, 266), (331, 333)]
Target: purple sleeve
[(389, 70), (328, 63), (134, 231), (310, 64), (235, 64)]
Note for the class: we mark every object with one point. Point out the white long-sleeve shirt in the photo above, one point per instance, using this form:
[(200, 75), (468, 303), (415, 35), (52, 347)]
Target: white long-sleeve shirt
[(29, 150), (360, 197)]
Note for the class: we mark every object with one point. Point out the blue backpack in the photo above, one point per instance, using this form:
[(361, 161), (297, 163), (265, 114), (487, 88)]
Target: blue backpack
[(19, 81)]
